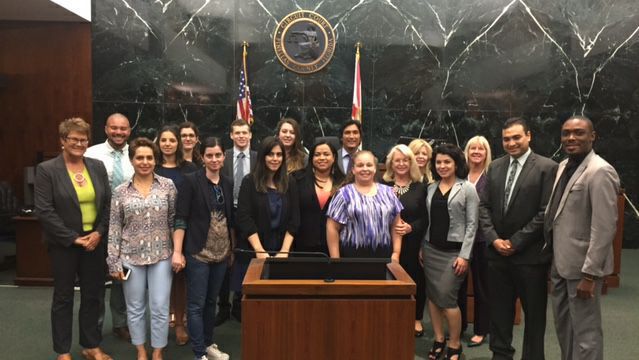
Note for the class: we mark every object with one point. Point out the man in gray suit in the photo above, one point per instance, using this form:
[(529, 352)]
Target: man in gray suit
[(511, 217), (238, 162), (580, 225), (351, 137)]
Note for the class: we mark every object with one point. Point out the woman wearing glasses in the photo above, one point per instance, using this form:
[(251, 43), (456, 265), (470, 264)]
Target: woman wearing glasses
[(204, 239), (72, 197), (190, 136)]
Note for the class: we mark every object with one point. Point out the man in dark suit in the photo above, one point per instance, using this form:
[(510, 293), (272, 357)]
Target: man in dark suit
[(351, 137), (238, 162), (511, 218), (581, 223)]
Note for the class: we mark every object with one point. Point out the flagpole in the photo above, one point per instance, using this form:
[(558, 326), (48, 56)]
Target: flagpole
[(357, 86), (245, 45)]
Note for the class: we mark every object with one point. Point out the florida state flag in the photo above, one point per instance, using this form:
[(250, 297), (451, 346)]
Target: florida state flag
[(356, 113)]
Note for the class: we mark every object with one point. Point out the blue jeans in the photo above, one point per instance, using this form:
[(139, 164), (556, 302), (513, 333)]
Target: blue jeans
[(157, 278), (203, 283)]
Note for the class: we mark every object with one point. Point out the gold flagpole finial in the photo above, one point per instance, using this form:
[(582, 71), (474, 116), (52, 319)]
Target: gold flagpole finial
[(357, 46)]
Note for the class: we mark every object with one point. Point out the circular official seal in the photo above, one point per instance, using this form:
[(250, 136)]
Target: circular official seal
[(304, 42)]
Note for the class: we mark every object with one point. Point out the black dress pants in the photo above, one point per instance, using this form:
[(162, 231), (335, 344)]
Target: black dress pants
[(89, 266), (506, 283)]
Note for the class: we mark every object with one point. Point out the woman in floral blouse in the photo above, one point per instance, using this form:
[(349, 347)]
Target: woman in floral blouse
[(140, 228)]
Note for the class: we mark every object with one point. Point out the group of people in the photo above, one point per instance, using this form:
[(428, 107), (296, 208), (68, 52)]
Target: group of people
[(166, 218)]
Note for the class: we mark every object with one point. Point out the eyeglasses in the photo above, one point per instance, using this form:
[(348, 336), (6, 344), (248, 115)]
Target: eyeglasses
[(219, 196), (75, 140)]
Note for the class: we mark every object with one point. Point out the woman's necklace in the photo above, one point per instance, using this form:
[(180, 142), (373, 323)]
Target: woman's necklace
[(78, 174), (401, 190), (79, 178)]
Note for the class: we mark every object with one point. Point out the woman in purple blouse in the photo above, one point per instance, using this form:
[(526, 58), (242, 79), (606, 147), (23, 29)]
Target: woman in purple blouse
[(363, 215)]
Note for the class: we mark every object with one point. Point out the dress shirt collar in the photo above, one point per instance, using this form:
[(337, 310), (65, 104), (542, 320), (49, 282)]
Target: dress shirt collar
[(246, 152), (111, 150), (521, 160)]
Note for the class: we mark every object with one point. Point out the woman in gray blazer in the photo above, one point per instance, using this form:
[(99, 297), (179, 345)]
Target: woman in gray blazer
[(72, 198), (453, 205)]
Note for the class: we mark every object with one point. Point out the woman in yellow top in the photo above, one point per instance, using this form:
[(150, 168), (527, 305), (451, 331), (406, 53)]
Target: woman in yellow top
[(72, 198)]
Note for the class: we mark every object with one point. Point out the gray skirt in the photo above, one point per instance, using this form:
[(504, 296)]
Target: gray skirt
[(442, 284)]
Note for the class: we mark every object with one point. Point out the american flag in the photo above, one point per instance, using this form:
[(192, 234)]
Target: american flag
[(356, 113), (244, 110)]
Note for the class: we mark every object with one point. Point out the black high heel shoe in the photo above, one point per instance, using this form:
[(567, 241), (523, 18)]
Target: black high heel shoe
[(450, 352), (437, 351), (419, 333)]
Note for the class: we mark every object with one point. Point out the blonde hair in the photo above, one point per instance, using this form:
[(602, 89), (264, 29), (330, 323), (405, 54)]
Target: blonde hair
[(415, 173), (479, 140), (415, 146), (74, 124)]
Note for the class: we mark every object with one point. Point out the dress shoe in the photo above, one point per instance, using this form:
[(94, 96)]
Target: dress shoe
[(122, 333), (222, 317), (419, 333), (181, 336), (95, 354), (66, 356)]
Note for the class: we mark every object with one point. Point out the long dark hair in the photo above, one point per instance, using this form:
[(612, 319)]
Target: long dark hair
[(261, 172), (457, 154), (179, 155), (197, 157), (296, 156), (336, 175)]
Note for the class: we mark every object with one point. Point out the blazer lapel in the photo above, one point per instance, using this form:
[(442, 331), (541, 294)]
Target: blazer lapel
[(455, 190), (571, 182), (523, 175), (202, 182), (97, 183), (65, 181)]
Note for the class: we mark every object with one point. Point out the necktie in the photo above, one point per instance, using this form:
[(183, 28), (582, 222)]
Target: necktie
[(349, 164), (117, 176), (238, 176), (509, 183)]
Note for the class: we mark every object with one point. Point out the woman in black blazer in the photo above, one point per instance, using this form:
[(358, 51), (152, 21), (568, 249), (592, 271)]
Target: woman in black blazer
[(315, 187), (204, 239), (267, 211), (72, 199), (404, 175)]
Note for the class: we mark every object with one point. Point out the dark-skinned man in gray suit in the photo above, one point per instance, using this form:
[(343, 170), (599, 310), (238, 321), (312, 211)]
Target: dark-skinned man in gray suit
[(511, 216), (581, 223)]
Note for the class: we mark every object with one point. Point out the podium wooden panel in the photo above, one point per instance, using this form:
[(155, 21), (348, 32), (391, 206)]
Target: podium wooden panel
[(313, 319), (33, 267)]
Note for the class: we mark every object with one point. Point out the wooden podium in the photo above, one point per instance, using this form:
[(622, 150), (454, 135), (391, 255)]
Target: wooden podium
[(327, 319)]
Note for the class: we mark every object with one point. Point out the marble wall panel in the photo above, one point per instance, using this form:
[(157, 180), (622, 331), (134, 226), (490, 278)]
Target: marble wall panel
[(443, 69)]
